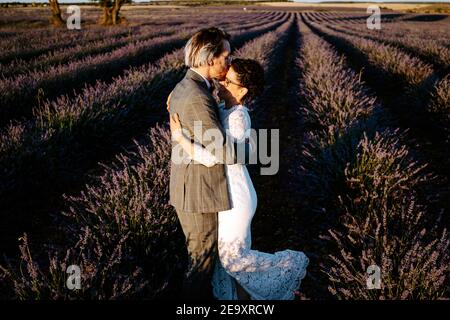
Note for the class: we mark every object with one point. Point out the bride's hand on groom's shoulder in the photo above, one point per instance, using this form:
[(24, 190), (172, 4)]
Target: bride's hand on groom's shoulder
[(168, 102), (174, 122)]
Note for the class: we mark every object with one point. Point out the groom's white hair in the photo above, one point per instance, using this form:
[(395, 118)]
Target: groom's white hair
[(203, 46)]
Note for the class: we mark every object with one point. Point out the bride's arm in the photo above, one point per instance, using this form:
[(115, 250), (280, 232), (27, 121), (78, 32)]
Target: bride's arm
[(195, 150), (239, 123)]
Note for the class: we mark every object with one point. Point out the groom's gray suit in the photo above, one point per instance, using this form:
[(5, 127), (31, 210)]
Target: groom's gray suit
[(196, 191)]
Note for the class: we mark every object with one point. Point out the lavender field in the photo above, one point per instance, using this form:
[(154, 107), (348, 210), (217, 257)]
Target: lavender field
[(364, 120)]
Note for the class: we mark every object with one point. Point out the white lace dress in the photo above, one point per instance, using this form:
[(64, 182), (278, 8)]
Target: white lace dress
[(264, 276)]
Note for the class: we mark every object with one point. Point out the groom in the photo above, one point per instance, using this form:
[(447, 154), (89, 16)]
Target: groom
[(196, 191)]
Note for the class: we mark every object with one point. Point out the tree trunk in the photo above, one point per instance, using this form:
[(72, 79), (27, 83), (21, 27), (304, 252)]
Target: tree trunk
[(115, 12), (111, 14), (56, 19), (106, 19)]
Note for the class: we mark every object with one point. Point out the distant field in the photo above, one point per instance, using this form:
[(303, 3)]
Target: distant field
[(364, 127), (413, 7)]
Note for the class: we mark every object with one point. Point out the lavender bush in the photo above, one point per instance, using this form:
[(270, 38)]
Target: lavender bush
[(383, 225), (121, 222), (439, 105), (337, 107), (404, 83), (366, 183), (101, 274), (336, 96)]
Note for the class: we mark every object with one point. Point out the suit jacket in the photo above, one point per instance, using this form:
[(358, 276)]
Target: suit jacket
[(193, 186)]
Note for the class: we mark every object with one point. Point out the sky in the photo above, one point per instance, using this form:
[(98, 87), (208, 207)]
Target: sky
[(81, 1)]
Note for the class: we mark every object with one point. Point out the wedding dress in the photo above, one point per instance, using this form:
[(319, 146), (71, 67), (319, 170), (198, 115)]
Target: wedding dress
[(264, 276)]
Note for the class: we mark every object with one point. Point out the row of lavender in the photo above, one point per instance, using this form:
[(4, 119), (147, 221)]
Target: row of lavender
[(427, 84), (391, 24), (121, 221), (15, 35), (57, 50), (365, 187), (396, 52), (430, 49), (416, 93), (77, 51), (33, 42), (20, 95)]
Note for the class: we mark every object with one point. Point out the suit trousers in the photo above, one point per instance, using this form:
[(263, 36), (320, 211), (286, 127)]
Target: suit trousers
[(200, 230)]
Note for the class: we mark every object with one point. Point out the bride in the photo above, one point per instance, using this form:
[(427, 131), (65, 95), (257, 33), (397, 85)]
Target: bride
[(262, 275)]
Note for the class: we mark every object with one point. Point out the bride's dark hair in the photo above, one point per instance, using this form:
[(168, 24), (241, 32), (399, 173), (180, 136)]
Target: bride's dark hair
[(251, 76)]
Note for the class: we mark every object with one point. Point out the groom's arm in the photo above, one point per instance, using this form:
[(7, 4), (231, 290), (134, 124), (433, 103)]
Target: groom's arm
[(212, 135)]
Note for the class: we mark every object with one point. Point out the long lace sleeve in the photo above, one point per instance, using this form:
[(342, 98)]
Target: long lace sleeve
[(239, 125), (238, 130)]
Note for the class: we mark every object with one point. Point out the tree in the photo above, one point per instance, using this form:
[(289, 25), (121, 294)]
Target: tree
[(111, 9), (56, 18)]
